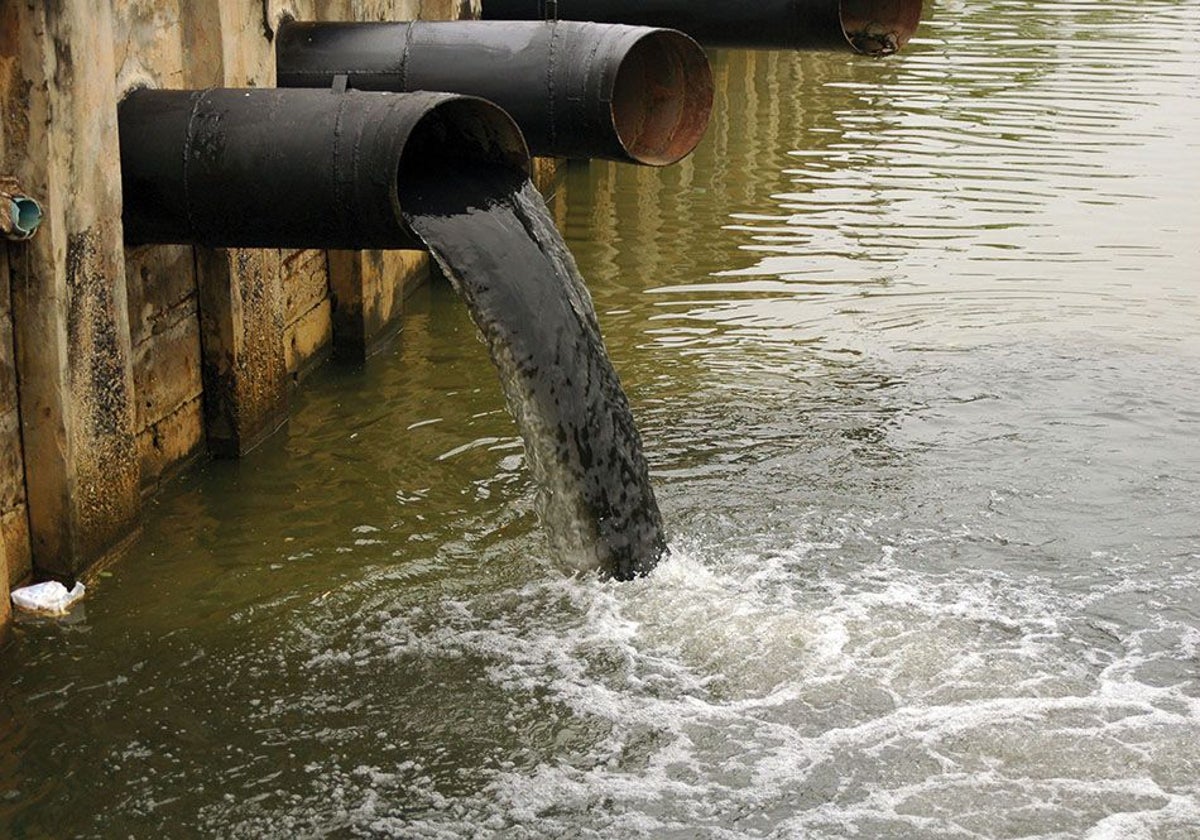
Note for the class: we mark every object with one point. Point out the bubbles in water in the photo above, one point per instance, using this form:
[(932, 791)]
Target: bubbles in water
[(727, 696)]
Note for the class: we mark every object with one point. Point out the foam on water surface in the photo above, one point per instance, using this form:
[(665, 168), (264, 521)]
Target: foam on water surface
[(724, 697)]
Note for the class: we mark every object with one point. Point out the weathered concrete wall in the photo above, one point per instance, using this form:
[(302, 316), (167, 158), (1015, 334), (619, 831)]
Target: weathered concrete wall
[(119, 366), (308, 318), (14, 515), (165, 333), (70, 313), (5, 606)]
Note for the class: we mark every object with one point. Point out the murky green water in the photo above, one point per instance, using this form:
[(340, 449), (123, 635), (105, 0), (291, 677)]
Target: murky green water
[(913, 346)]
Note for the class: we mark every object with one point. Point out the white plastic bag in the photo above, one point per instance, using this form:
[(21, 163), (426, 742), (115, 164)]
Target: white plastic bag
[(49, 598)]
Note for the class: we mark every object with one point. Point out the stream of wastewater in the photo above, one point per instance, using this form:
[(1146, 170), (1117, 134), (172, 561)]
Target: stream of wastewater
[(492, 235), (913, 348)]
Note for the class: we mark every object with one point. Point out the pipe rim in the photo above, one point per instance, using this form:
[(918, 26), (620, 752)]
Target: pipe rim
[(879, 27), (21, 217), (460, 131), (28, 215), (666, 126)]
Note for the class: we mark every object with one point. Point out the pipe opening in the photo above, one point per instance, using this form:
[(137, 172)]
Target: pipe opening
[(28, 215), (662, 98), (464, 132), (879, 27)]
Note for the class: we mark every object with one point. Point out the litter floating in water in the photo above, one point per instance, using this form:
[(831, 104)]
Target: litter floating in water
[(49, 598)]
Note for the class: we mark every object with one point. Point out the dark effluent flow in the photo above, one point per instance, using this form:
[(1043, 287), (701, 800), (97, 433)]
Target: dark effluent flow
[(489, 230)]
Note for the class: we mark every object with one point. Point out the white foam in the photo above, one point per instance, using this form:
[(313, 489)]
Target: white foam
[(730, 695)]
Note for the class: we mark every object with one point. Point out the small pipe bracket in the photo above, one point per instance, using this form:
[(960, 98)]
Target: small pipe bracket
[(552, 10), (340, 82), (20, 214)]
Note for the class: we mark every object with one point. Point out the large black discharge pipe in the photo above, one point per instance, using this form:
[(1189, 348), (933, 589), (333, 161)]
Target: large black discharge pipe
[(576, 89), (264, 168), (874, 27)]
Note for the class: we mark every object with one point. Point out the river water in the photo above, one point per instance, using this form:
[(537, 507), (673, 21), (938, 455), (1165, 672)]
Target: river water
[(912, 345)]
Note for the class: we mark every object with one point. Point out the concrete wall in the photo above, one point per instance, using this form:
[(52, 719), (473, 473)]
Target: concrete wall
[(5, 606), (14, 516), (69, 309), (120, 366)]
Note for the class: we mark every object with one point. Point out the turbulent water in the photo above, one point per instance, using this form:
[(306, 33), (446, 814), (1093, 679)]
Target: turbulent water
[(912, 346), (489, 230)]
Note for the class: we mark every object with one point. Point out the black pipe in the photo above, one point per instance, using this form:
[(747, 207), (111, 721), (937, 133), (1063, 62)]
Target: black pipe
[(873, 27), (264, 168), (576, 89)]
